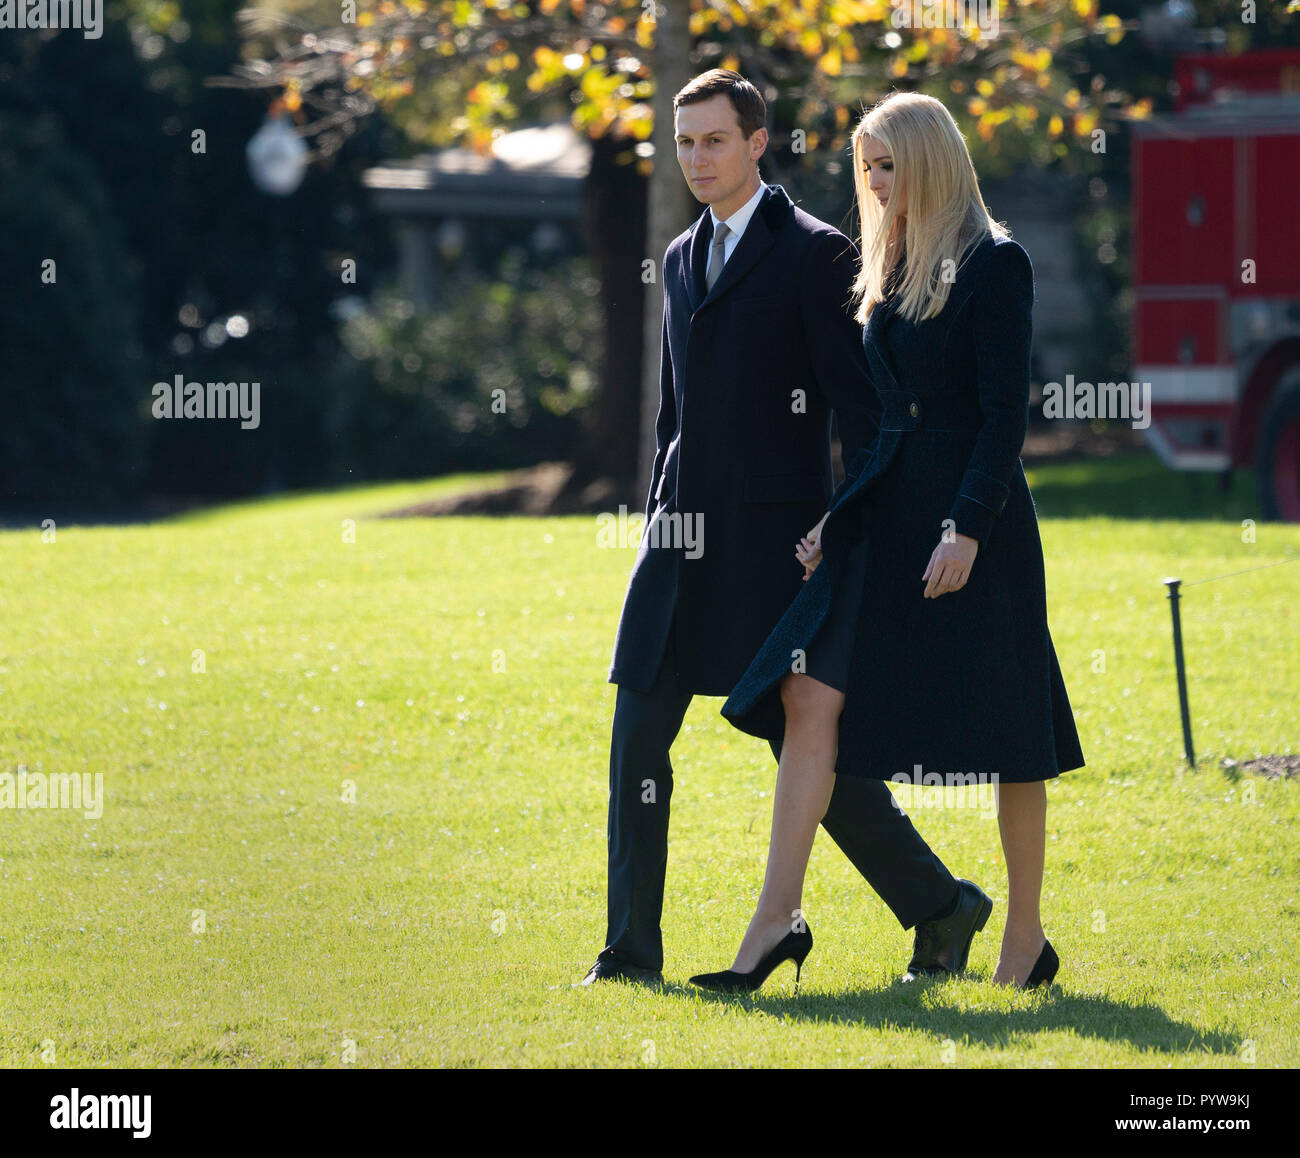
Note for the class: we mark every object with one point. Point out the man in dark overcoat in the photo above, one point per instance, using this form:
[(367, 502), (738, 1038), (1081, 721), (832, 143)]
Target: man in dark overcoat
[(758, 349)]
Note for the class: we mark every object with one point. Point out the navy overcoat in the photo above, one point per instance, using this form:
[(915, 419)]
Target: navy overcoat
[(966, 684), (749, 374)]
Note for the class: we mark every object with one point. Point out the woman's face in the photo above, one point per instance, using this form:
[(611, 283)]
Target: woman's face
[(878, 170)]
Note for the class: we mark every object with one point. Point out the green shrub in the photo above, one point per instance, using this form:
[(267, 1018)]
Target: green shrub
[(494, 376)]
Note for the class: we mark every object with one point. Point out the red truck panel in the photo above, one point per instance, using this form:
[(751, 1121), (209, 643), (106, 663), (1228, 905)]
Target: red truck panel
[(1171, 249), (1274, 217), (1163, 327), (1203, 77)]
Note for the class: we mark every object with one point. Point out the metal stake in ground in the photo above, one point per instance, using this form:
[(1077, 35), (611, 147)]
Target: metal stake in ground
[(1173, 585)]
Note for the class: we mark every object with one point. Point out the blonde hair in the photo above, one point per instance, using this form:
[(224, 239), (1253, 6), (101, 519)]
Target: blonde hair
[(945, 216)]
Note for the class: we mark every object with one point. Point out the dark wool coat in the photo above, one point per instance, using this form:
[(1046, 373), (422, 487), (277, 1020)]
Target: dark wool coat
[(967, 683), (749, 373)]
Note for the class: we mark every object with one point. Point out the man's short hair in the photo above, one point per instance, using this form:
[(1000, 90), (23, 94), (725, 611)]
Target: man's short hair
[(751, 108)]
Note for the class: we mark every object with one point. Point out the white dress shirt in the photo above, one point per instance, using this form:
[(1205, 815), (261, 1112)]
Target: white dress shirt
[(737, 222)]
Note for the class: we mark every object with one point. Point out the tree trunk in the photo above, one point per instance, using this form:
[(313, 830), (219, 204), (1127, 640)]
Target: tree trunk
[(670, 211), (616, 226), (630, 221)]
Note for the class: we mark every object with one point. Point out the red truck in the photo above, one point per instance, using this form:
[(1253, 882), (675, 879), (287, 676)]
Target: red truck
[(1216, 270)]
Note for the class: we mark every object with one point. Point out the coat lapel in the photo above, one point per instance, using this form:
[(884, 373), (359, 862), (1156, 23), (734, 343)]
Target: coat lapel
[(754, 242), (698, 258), (874, 335), (876, 347)]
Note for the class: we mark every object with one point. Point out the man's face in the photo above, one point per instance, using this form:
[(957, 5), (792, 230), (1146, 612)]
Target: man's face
[(716, 159)]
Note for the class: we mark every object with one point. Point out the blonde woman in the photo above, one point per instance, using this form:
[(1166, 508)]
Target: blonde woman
[(919, 642)]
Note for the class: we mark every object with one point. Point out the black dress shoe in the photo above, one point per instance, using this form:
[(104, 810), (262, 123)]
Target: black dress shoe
[(611, 969), (792, 947), (941, 947), (1044, 970)]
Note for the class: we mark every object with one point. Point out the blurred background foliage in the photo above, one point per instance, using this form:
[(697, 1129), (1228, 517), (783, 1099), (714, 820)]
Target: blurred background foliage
[(157, 247), (494, 379)]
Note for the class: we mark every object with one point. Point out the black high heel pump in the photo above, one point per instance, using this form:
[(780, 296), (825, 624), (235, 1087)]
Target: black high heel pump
[(1044, 969), (792, 947)]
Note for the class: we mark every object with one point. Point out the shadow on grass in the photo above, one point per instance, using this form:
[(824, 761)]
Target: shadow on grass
[(910, 1006)]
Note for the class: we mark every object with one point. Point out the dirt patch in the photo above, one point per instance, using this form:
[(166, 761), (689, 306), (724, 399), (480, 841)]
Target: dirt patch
[(1270, 767), (534, 490), (1064, 441)]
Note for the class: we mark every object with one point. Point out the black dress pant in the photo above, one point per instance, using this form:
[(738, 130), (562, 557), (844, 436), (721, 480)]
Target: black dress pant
[(863, 819)]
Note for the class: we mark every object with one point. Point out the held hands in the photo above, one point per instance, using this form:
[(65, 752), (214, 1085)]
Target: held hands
[(949, 566), (809, 550)]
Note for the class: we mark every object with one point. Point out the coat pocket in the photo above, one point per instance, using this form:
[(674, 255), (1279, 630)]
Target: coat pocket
[(796, 487)]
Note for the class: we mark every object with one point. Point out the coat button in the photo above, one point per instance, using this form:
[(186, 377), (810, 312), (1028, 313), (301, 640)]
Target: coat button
[(914, 410)]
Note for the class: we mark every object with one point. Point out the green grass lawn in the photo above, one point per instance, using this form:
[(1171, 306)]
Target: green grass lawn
[(231, 908)]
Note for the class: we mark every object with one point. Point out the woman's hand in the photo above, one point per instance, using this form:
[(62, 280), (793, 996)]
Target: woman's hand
[(949, 566), (809, 550)]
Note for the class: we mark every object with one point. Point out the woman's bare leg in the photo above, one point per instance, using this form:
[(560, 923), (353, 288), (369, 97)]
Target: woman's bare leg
[(1022, 818), (804, 780)]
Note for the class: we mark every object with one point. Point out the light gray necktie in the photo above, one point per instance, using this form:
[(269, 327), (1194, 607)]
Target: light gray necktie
[(717, 255)]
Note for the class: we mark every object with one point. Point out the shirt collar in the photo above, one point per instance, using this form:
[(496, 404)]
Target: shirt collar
[(740, 219)]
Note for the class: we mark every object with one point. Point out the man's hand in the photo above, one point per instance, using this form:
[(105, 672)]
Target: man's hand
[(809, 550), (949, 566)]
